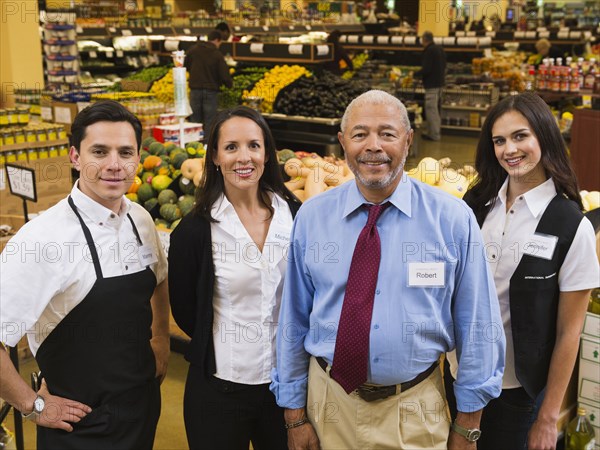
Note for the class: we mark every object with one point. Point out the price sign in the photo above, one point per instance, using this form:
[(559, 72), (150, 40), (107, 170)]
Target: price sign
[(109, 54), (257, 48), (148, 30), (78, 29), (367, 39), (112, 29), (295, 49), (93, 54), (187, 31), (126, 32), (119, 53), (322, 50), (21, 181)]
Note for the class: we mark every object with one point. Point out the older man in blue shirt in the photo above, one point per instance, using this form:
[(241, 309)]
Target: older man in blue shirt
[(433, 293)]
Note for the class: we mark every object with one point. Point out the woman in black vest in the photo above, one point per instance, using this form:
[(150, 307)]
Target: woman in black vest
[(541, 252), (227, 262)]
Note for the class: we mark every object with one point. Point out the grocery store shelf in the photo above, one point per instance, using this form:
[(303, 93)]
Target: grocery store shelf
[(455, 127), (464, 108)]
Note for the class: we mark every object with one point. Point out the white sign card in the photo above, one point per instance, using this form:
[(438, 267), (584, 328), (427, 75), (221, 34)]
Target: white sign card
[(21, 181), (295, 49), (322, 50), (257, 48)]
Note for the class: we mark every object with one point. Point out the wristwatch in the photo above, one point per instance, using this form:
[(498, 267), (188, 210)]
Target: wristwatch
[(38, 407), (470, 435)]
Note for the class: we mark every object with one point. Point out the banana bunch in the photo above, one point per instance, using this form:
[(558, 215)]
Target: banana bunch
[(274, 80)]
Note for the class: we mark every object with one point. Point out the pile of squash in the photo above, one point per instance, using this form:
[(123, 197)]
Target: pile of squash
[(440, 175), (314, 174)]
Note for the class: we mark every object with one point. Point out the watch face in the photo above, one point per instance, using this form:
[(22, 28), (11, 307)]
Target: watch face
[(38, 405), (473, 435)]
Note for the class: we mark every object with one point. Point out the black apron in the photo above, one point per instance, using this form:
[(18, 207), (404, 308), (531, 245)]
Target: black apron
[(100, 355)]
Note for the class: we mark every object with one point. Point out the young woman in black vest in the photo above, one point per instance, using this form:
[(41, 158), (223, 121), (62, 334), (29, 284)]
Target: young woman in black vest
[(227, 262), (541, 252)]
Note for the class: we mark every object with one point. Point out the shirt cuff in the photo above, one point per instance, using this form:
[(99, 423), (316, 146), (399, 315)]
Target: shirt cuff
[(469, 400), (290, 395)]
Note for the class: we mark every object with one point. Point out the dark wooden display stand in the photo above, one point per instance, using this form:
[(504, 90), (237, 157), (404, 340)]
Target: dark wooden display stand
[(585, 148)]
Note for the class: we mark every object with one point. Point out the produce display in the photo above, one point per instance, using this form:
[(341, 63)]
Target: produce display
[(149, 74), (324, 96), (358, 61), (163, 89), (273, 81), (439, 174), (163, 184), (310, 174), (242, 82)]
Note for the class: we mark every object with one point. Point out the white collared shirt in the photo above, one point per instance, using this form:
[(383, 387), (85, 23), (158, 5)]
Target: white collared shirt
[(506, 234), (247, 293), (47, 269)]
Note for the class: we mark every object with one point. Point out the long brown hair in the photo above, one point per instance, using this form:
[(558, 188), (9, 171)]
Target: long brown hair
[(555, 159)]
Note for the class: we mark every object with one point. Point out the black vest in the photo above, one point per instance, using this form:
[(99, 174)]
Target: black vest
[(534, 294)]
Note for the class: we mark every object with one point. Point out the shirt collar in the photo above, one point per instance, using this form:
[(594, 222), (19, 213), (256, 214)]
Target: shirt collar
[(400, 198), (95, 211), (536, 199), (222, 206)]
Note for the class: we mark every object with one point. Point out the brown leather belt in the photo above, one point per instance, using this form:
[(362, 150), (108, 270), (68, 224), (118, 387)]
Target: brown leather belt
[(372, 392)]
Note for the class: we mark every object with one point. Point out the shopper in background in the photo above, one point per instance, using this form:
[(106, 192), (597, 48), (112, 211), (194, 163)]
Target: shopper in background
[(208, 72), (339, 54), (542, 253), (86, 281), (353, 372), (433, 72), (223, 27), (227, 261), (546, 50)]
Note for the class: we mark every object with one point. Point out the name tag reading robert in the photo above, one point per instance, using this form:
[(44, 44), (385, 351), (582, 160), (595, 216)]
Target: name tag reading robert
[(147, 255), (540, 245), (426, 274)]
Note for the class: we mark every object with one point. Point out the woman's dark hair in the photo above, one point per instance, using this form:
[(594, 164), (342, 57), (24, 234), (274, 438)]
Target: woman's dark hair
[(212, 186), (554, 160), (103, 111)]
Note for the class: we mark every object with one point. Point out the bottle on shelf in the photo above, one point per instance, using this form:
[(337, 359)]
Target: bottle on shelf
[(574, 83), (565, 78), (580, 72), (530, 83), (590, 77), (555, 80), (541, 80), (580, 434)]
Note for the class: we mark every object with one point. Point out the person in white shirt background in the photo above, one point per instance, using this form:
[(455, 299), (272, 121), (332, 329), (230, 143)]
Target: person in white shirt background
[(227, 262), (541, 250), (86, 282)]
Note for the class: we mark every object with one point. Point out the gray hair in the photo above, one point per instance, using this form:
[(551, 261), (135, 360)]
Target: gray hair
[(376, 97)]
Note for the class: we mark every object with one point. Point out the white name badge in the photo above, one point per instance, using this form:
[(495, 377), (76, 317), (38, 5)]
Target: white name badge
[(147, 255), (540, 245), (429, 274)]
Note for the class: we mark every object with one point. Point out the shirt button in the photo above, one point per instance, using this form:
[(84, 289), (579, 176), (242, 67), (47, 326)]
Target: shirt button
[(494, 256), (521, 197), (112, 216), (511, 211), (126, 267), (376, 360), (378, 292), (376, 327), (100, 224)]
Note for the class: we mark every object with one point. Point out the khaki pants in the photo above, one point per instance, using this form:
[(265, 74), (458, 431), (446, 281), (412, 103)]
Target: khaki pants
[(415, 419)]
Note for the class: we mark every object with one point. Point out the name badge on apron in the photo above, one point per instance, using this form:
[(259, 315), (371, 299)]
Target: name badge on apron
[(541, 245), (429, 274), (147, 255)]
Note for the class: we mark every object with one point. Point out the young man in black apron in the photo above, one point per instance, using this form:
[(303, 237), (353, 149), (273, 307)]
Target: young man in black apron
[(86, 282)]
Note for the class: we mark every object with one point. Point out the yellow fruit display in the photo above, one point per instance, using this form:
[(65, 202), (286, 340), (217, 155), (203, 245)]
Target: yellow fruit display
[(163, 88), (440, 175), (273, 81)]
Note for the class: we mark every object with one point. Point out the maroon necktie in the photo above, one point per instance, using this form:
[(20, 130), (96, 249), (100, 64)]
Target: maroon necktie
[(351, 356)]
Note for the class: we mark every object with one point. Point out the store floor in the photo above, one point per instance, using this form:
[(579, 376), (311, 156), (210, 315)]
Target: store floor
[(171, 433)]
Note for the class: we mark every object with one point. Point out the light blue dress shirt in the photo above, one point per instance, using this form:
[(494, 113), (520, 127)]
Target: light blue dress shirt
[(411, 325)]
